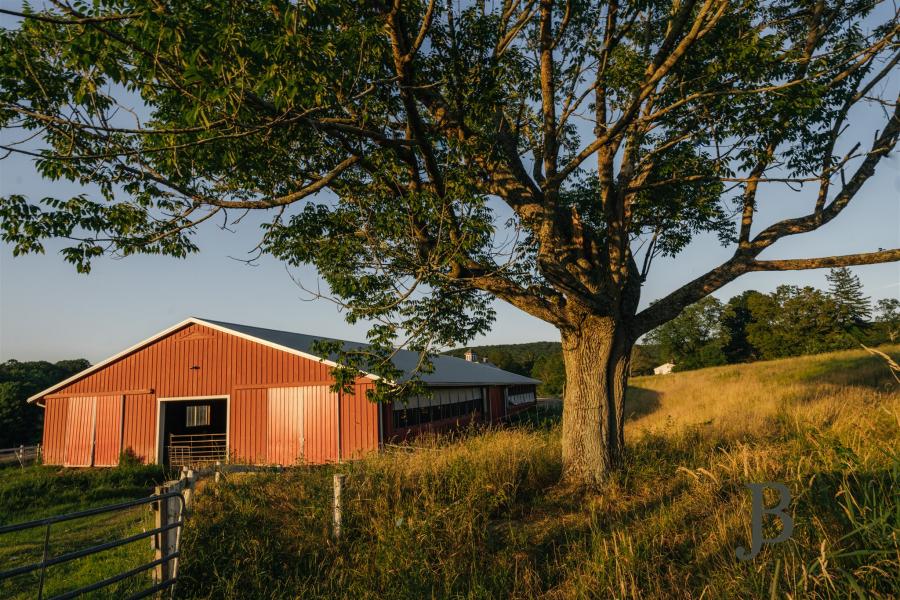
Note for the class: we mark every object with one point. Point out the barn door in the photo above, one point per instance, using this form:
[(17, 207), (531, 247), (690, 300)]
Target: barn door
[(108, 431), (247, 434), (54, 450), (302, 425), (285, 442), (320, 424), (81, 421)]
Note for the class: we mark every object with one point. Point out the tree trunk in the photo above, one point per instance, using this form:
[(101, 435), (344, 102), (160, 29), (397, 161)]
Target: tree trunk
[(597, 356)]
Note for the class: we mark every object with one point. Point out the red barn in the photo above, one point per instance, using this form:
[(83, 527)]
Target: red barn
[(205, 390)]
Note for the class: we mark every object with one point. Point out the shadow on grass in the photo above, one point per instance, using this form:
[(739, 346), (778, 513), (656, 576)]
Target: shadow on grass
[(543, 416), (640, 401), (859, 371), (546, 415)]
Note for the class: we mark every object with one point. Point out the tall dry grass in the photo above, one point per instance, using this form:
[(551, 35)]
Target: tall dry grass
[(740, 400), (485, 516)]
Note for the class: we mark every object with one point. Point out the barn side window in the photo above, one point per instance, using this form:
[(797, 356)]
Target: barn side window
[(451, 403), (197, 416)]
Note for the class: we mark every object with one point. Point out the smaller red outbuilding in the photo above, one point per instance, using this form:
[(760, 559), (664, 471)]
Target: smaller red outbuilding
[(205, 390)]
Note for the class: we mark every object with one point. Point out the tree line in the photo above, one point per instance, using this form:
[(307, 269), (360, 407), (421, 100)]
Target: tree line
[(22, 422), (790, 321)]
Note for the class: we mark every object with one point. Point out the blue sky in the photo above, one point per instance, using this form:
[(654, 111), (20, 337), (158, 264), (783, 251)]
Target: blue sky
[(50, 312)]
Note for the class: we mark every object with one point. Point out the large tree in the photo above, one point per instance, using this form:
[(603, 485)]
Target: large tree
[(430, 156)]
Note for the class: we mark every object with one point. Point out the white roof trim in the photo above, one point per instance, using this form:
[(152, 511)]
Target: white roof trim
[(172, 329)]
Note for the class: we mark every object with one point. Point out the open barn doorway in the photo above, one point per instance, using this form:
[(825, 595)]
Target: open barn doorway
[(193, 432)]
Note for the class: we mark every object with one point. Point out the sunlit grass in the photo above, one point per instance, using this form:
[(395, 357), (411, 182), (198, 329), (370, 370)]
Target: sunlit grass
[(486, 516)]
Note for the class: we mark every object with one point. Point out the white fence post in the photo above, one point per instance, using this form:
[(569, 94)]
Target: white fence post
[(338, 490)]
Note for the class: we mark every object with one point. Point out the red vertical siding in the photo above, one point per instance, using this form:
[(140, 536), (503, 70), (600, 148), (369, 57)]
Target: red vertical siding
[(359, 422), (80, 422), (200, 361), (320, 424), (301, 425), (497, 403), (284, 426), (108, 436), (225, 364), (249, 418), (139, 426), (54, 446), (223, 361)]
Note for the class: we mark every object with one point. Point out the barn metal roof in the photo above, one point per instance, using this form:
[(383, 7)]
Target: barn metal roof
[(448, 370)]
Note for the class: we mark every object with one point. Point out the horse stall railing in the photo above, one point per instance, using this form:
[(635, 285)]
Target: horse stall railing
[(166, 535), (197, 450)]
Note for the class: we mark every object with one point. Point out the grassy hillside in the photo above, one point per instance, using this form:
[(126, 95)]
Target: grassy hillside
[(486, 516)]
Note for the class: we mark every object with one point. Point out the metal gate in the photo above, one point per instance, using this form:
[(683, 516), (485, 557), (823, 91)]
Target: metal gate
[(166, 537)]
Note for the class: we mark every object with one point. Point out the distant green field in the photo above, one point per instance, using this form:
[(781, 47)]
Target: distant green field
[(36, 492)]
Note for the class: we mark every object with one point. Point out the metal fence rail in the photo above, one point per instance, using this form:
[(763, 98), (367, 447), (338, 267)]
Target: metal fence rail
[(196, 450), (21, 455), (160, 533)]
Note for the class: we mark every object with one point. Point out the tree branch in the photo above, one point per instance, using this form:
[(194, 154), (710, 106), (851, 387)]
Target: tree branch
[(827, 262)]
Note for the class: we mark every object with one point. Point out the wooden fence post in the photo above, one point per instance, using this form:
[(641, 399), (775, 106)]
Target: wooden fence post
[(161, 538), (188, 491), (338, 489)]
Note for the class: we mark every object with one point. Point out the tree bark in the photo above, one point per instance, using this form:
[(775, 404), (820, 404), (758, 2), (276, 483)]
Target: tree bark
[(597, 356)]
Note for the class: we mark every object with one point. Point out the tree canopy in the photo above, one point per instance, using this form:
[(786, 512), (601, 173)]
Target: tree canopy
[(427, 157), (790, 321), (888, 312), (414, 114), (21, 422)]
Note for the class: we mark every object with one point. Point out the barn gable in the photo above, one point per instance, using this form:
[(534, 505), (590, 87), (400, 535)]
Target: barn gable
[(170, 363)]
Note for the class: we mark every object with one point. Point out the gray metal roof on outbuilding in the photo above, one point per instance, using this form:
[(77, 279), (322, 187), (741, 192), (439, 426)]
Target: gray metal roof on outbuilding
[(448, 370)]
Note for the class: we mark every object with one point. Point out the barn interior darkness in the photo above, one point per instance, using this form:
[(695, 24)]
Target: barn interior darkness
[(193, 417)]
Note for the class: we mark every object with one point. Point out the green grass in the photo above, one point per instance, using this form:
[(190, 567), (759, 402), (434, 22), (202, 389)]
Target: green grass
[(486, 515), (38, 491)]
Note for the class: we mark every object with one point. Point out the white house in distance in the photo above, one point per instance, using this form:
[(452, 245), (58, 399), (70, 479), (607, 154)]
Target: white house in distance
[(664, 369)]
